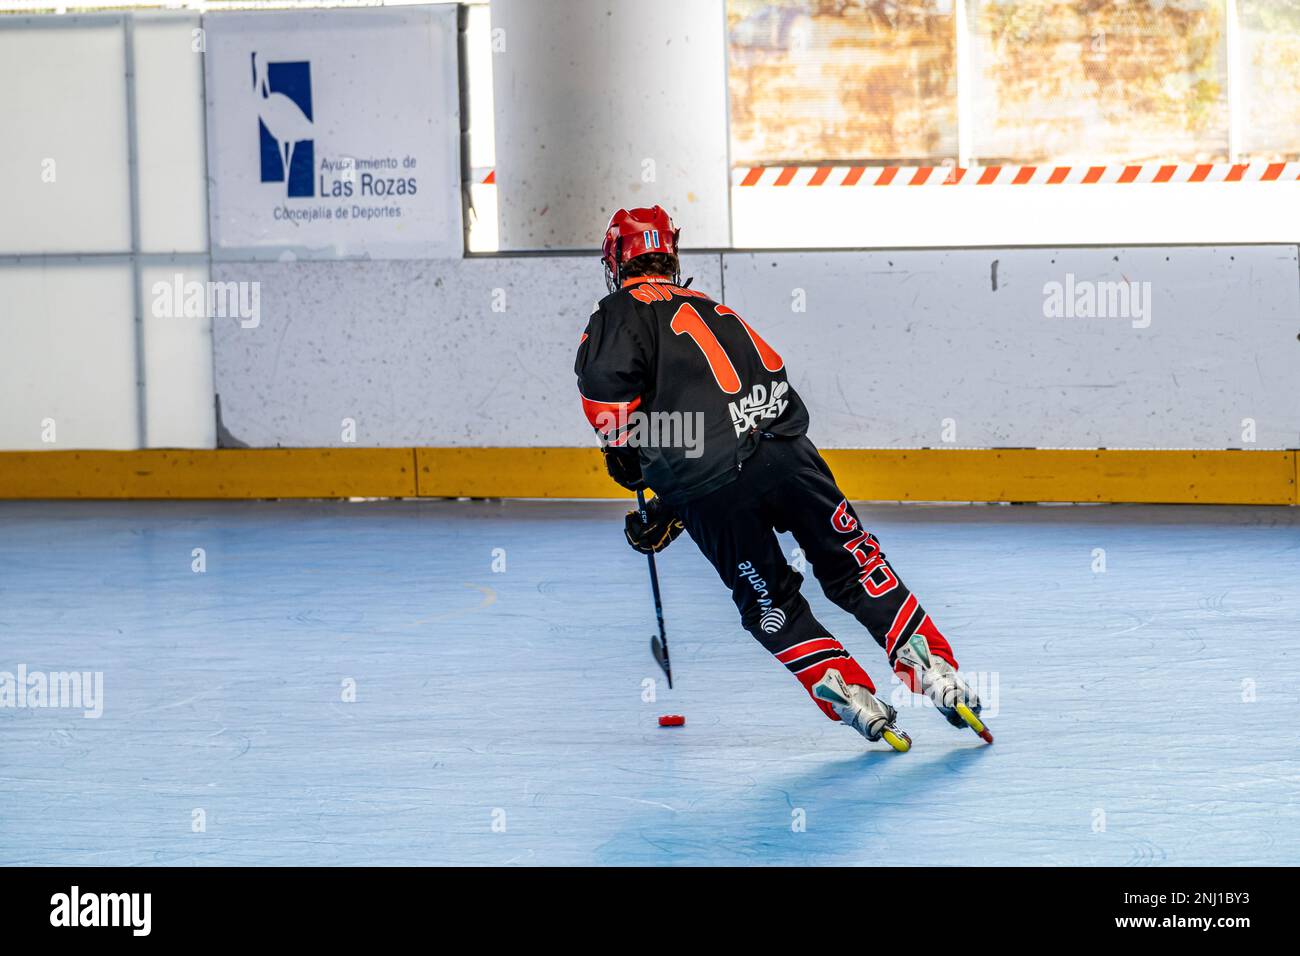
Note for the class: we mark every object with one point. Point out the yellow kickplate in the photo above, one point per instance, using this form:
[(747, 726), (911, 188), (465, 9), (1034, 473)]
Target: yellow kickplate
[(1157, 477), (1171, 477), (515, 473), (223, 473)]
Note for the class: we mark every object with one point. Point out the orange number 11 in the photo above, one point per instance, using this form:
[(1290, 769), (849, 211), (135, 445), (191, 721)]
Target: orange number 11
[(687, 321)]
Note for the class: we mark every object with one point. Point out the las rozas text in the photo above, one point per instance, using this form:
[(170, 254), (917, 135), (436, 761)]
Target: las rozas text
[(370, 185)]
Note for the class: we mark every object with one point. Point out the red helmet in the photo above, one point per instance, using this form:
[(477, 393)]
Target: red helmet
[(632, 233)]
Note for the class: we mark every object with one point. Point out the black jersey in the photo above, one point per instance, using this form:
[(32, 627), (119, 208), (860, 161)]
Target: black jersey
[(686, 381)]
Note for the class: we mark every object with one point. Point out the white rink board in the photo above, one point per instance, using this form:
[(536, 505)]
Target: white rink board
[(414, 352), (178, 396), (64, 184), (894, 343), (172, 181), (68, 364)]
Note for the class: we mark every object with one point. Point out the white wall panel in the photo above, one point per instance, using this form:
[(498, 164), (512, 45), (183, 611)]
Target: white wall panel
[(173, 183), (891, 345), (601, 104), (68, 356), (63, 162), (894, 343), (179, 406), (414, 353)]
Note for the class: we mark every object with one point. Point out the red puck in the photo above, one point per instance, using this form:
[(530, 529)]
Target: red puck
[(672, 720)]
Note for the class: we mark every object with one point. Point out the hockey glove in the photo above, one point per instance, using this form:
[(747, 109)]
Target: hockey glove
[(658, 533), (624, 466)]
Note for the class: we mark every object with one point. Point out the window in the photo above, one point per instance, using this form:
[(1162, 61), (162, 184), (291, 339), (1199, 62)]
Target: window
[(838, 80), (1098, 80)]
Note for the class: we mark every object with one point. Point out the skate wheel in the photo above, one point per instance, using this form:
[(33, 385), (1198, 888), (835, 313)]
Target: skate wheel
[(898, 740), (973, 721)]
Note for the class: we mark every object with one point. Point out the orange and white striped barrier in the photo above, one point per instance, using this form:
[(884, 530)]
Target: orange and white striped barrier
[(1014, 175), (996, 175)]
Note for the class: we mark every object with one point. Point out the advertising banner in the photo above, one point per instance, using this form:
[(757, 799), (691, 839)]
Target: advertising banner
[(334, 134)]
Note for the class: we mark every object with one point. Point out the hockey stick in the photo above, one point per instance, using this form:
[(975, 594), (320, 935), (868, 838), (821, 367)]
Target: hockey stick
[(658, 642)]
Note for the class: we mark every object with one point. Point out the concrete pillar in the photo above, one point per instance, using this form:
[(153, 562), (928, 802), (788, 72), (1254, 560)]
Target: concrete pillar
[(608, 103)]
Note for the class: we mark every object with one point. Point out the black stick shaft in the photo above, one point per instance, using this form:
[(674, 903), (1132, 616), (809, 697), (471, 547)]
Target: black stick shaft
[(654, 587)]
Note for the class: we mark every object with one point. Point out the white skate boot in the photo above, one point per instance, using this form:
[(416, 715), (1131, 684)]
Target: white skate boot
[(938, 680), (862, 710)]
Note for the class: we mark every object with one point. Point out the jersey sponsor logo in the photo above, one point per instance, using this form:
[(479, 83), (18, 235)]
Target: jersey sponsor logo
[(759, 405), (756, 581), (772, 620), (875, 575), (842, 520)]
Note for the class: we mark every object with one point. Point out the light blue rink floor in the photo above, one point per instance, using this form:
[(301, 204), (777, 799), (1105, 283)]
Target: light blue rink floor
[(1144, 714)]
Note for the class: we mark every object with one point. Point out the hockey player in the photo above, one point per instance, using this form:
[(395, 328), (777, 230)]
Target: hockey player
[(658, 357)]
